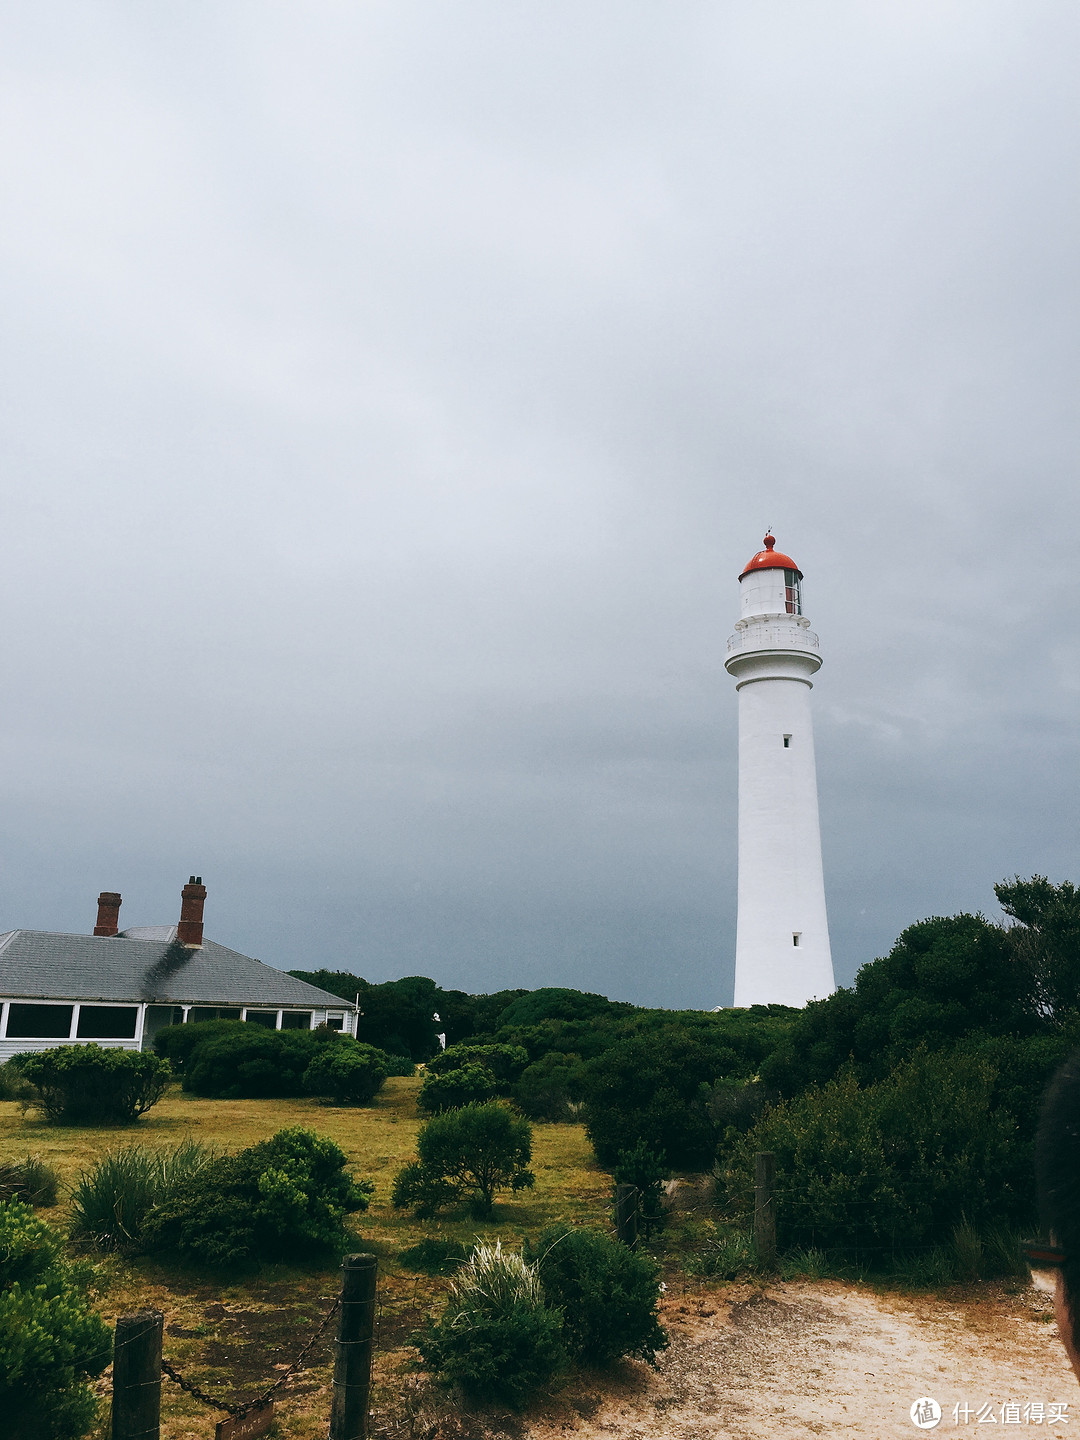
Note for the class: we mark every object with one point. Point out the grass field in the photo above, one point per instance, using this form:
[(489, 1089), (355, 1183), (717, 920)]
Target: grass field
[(236, 1337)]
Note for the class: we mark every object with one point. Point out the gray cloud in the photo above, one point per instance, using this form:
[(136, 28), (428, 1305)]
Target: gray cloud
[(393, 395)]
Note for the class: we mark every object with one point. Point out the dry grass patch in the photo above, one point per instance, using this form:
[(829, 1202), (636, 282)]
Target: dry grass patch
[(236, 1337)]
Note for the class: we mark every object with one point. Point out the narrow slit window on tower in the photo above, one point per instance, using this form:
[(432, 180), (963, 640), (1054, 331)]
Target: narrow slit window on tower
[(792, 594), (796, 937), (787, 742)]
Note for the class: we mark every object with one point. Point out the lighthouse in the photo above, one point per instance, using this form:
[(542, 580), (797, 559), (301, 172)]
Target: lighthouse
[(782, 953)]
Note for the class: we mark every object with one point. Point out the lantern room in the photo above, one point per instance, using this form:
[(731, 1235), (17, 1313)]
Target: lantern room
[(771, 584)]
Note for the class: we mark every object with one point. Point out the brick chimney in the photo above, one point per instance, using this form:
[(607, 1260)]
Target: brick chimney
[(108, 913), (193, 898)]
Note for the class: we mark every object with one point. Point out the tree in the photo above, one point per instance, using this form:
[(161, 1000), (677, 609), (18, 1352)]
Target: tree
[(944, 979), (1045, 944), (471, 1152)]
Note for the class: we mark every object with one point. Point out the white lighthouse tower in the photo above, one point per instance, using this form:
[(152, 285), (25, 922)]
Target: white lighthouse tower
[(782, 953)]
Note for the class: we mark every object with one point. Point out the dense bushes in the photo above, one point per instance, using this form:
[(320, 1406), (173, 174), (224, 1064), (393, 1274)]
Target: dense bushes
[(512, 1321), (466, 1154), (247, 1062), (111, 1202), (176, 1042), (347, 1073), (496, 1337), (51, 1342), (89, 1085), (895, 1165), (285, 1195), (467, 1085), (550, 1088), (506, 1062), (608, 1295)]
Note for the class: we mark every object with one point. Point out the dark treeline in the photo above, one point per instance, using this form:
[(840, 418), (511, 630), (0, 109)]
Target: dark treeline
[(902, 1106)]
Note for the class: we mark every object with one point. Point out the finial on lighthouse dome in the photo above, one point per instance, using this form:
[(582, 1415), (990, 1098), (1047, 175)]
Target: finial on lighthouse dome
[(771, 559)]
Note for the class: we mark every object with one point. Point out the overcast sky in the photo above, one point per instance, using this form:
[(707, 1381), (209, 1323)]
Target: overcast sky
[(391, 396)]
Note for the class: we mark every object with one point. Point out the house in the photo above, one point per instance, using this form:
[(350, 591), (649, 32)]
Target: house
[(120, 987)]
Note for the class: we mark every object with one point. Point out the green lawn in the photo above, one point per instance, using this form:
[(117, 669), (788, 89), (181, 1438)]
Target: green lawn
[(230, 1336)]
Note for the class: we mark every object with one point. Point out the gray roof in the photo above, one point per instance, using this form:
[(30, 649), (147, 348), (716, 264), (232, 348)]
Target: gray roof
[(139, 965)]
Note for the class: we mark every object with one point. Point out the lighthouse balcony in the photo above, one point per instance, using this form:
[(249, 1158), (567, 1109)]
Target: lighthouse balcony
[(772, 633)]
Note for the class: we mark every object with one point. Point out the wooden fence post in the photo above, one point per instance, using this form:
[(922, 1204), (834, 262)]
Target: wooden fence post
[(765, 1207), (136, 1385), (626, 1214), (355, 1342)]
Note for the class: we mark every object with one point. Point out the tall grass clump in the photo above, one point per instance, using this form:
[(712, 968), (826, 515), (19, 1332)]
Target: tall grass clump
[(110, 1202), (31, 1180), (496, 1339)]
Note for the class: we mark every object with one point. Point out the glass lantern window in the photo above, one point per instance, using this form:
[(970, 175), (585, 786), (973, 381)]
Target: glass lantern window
[(792, 593)]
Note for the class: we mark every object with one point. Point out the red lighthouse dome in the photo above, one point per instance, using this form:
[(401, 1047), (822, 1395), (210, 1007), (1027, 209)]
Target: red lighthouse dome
[(771, 559)]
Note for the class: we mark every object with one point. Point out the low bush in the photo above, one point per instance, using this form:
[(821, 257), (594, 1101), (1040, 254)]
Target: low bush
[(496, 1338), (51, 1342), (347, 1074), (608, 1295), (110, 1202), (247, 1062), (469, 1085), (176, 1042), (89, 1085), (550, 1088), (29, 1179), (506, 1062), (470, 1153), (284, 1196)]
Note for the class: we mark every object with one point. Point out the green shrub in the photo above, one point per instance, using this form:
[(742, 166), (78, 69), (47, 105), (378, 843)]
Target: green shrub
[(902, 1163), (435, 1257), (496, 1338), (110, 1202), (247, 1062), (286, 1195), (472, 1152), (506, 1062), (400, 1065), (648, 1087), (347, 1074), (176, 1042), (31, 1180), (470, 1085), (51, 1342), (90, 1085), (648, 1170), (550, 1088), (608, 1295)]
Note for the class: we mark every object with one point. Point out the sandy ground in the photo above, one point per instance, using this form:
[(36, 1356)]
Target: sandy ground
[(811, 1359)]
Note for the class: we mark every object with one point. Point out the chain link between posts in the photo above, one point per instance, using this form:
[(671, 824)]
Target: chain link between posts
[(239, 1411)]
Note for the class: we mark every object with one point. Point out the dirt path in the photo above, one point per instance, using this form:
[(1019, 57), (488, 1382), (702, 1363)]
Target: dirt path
[(804, 1359)]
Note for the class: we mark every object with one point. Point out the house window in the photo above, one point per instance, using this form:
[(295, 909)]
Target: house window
[(335, 1022), (792, 593), (38, 1022), (796, 938), (107, 1022), (212, 1012), (296, 1020), (787, 742), (266, 1018)]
